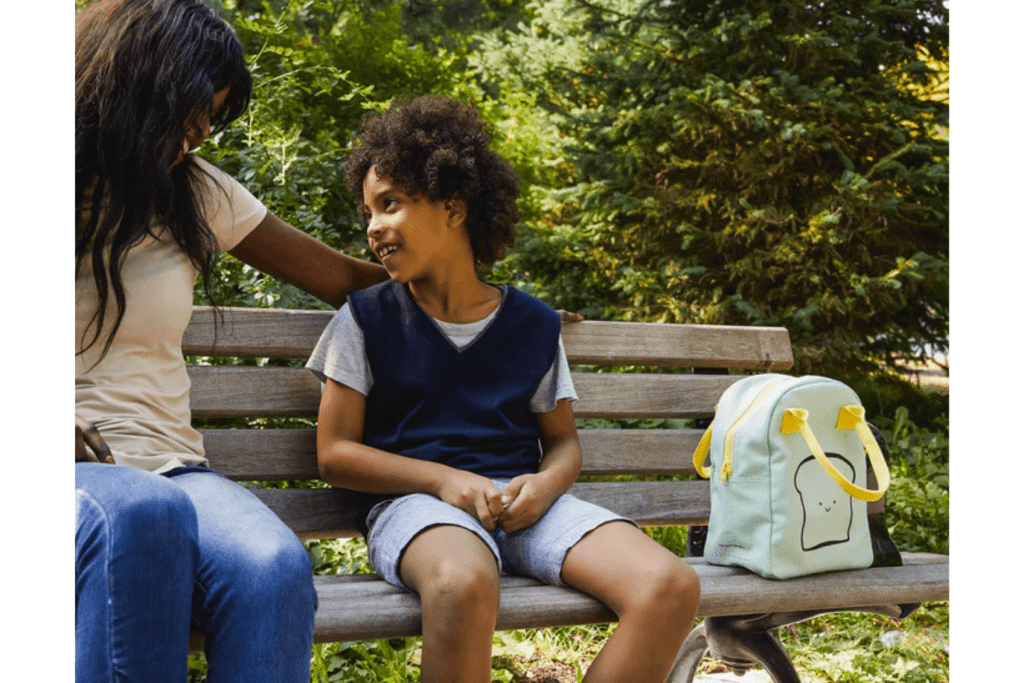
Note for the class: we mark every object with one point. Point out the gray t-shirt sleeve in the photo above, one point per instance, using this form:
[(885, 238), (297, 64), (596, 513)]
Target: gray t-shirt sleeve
[(341, 353), (555, 385)]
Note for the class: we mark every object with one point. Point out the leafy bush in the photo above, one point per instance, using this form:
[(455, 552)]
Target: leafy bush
[(318, 66), (369, 661), (917, 505), (745, 162)]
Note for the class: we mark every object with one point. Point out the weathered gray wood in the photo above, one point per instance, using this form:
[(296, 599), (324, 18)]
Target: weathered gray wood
[(331, 513), (251, 332), (674, 345), (253, 392), (231, 391), (254, 332), (645, 395), (353, 608), (273, 454)]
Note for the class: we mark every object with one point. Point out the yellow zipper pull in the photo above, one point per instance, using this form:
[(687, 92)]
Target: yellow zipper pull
[(726, 468)]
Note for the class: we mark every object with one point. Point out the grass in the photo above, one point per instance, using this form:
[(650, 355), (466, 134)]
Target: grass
[(861, 648)]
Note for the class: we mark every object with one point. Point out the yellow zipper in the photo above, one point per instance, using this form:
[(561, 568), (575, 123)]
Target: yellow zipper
[(730, 434)]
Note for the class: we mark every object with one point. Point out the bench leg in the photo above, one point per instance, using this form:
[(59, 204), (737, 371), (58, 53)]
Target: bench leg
[(693, 651), (745, 642), (741, 643)]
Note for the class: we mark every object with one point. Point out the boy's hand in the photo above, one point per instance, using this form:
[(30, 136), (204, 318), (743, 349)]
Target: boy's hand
[(474, 494), (527, 498)]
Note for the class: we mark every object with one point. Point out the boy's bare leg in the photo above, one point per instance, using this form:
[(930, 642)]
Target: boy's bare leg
[(456, 577), (654, 593)]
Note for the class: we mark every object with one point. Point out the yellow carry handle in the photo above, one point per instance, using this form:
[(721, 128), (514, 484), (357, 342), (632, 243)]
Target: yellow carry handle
[(850, 417), (701, 454)]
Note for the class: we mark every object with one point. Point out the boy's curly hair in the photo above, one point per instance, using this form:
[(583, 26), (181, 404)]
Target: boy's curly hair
[(439, 147)]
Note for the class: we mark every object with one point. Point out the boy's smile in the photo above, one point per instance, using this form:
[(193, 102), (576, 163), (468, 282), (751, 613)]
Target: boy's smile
[(408, 233)]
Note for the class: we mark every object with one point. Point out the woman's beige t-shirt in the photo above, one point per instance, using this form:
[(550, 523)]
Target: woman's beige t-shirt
[(137, 396)]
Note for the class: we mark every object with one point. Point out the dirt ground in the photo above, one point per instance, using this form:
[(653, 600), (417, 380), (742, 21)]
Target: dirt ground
[(537, 670)]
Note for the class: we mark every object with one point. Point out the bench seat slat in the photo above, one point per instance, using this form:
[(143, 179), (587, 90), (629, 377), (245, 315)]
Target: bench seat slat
[(354, 608), (274, 454), (326, 513), (252, 332), (233, 391)]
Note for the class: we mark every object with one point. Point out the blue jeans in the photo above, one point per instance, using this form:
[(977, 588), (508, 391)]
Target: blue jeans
[(156, 556)]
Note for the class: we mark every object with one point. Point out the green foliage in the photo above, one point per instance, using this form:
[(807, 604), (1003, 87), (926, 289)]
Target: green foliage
[(318, 66), (884, 392), (746, 162), (368, 661), (917, 505), (856, 648), (738, 161), (338, 556), (672, 537), (196, 667), (457, 25)]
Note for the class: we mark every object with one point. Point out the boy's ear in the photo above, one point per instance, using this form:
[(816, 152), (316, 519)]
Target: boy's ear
[(456, 209)]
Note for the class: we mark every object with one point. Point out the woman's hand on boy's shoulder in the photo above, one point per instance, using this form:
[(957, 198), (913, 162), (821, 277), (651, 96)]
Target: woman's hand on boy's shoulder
[(569, 316)]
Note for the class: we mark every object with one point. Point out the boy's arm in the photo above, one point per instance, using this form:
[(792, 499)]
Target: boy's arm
[(346, 462), (529, 496)]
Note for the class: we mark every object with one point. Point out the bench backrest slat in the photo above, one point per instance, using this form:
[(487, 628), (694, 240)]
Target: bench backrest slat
[(276, 454), (250, 391), (315, 513), (251, 332)]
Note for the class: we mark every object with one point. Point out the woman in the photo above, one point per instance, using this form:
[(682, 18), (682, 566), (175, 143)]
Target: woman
[(164, 544)]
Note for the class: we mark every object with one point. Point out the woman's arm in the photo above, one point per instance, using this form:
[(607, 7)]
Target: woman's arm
[(279, 249), (346, 462), (282, 250), (529, 496)]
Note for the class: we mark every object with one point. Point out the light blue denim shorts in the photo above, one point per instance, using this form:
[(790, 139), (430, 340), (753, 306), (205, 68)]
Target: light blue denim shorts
[(536, 551)]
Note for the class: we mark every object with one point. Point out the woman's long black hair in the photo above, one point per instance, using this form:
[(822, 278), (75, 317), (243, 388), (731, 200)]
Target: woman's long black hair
[(146, 72)]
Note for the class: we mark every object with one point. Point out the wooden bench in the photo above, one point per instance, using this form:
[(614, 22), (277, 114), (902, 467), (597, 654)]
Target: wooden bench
[(745, 608)]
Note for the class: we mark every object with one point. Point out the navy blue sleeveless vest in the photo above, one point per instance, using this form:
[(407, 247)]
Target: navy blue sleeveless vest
[(467, 409)]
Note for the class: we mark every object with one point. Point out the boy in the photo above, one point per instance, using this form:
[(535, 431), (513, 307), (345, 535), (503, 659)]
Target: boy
[(438, 388)]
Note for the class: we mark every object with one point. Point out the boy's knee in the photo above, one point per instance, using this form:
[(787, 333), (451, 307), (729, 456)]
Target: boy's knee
[(462, 585), (672, 586)]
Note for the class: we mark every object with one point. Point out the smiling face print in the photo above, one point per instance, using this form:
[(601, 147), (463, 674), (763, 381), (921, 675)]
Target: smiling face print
[(827, 509)]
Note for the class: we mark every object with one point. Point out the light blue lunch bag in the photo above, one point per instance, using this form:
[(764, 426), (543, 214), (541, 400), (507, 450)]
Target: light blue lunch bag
[(787, 477)]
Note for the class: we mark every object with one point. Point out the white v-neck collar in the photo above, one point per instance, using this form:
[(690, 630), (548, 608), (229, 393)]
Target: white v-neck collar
[(455, 333)]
